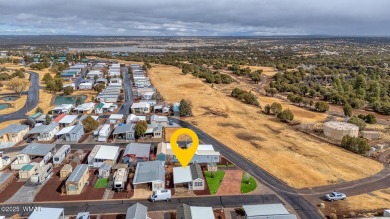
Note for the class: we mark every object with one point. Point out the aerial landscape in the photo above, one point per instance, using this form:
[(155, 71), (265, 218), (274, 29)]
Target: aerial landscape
[(281, 115)]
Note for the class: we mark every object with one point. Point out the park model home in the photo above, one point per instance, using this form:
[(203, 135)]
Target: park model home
[(45, 132), (205, 154), (101, 154), (136, 152), (61, 154), (142, 107), (85, 108), (39, 153), (12, 134), (124, 131), (137, 211), (105, 107), (71, 133), (63, 108), (77, 180), (150, 174), (104, 132), (66, 120), (190, 177)]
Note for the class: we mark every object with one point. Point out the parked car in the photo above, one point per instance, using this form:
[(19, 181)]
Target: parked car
[(161, 195), (335, 196), (170, 122)]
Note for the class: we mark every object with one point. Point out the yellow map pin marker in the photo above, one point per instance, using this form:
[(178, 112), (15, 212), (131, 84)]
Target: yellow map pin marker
[(184, 155)]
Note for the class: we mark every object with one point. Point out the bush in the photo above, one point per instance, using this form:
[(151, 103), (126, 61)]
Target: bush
[(358, 122), (276, 108), (321, 106), (355, 144), (370, 118), (285, 115), (245, 96), (68, 90)]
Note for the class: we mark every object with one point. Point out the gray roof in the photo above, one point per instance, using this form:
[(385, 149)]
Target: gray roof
[(137, 211), (266, 210), (196, 172), (120, 129), (13, 128), (183, 212), (43, 128), (105, 166), (37, 149), (76, 129), (149, 171), (139, 150), (77, 173)]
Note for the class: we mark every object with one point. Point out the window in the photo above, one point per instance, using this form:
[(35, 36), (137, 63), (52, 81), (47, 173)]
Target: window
[(198, 183)]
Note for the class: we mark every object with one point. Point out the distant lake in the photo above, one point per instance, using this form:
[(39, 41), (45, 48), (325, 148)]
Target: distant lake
[(120, 49)]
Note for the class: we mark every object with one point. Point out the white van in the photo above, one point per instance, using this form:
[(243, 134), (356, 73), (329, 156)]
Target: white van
[(161, 195)]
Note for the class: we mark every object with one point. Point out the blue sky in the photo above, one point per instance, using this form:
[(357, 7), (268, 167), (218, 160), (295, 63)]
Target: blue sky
[(195, 18)]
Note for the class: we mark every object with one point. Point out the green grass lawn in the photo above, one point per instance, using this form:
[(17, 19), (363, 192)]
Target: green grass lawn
[(101, 183), (248, 187), (214, 182)]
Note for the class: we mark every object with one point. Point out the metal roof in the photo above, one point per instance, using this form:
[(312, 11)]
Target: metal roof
[(120, 129), (37, 149), (13, 128), (107, 152), (77, 173), (137, 211), (76, 129), (265, 210), (68, 119), (116, 116), (65, 130), (201, 212), (43, 128), (47, 213), (149, 171), (187, 174), (27, 167), (139, 150), (140, 105)]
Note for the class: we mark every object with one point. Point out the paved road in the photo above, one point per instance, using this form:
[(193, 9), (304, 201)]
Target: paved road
[(128, 101), (117, 206), (78, 80), (304, 209), (31, 103)]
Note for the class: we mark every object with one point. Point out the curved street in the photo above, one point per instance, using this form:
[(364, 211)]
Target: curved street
[(31, 103)]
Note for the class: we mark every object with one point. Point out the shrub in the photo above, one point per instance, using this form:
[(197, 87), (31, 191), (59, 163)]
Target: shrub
[(355, 144), (358, 122), (285, 115)]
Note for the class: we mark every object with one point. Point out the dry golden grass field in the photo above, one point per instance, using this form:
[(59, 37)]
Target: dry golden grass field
[(268, 71), (379, 199), (294, 157)]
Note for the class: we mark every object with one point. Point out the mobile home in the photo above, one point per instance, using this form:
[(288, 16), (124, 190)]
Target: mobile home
[(77, 180), (42, 174), (61, 154), (104, 133)]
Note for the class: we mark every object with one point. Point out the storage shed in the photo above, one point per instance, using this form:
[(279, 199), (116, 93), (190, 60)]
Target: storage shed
[(104, 170), (370, 135), (65, 171)]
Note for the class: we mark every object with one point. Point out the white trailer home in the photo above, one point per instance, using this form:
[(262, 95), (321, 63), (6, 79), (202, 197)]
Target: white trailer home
[(104, 133), (120, 179), (42, 174), (101, 154), (61, 154)]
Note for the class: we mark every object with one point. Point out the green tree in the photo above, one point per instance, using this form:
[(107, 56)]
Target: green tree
[(140, 129), (267, 109), (100, 87), (347, 110), (185, 108), (321, 106), (358, 122), (355, 144), (18, 85), (48, 119), (286, 115), (79, 101), (276, 108), (39, 110), (90, 124), (256, 77), (68, 90), (46, 78)]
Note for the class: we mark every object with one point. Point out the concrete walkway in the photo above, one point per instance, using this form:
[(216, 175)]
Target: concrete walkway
[(231, 183)]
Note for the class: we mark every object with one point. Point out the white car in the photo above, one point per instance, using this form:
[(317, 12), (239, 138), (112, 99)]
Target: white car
[(335, 196)]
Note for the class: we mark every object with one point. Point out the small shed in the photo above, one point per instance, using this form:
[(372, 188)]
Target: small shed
[(65, 171), (104, 170), (370, 135)]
